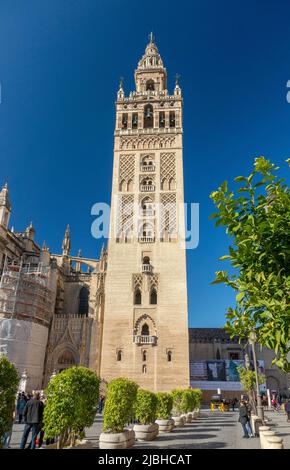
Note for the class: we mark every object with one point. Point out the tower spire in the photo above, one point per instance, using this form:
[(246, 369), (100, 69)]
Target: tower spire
[(66, 242)]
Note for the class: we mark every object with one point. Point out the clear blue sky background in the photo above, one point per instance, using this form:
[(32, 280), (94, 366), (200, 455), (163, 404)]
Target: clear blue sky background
[(60, 61)]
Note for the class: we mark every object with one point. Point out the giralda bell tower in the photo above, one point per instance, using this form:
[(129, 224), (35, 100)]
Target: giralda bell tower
[(145, 325)]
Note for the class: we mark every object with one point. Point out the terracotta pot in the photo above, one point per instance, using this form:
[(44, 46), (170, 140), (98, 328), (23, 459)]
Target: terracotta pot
[(146, 432), (121, 440)]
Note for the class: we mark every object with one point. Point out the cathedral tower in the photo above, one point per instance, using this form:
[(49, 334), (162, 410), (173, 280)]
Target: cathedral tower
[(145, 331)]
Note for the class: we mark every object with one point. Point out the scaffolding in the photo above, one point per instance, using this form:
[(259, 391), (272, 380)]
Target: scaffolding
[(25, 291)]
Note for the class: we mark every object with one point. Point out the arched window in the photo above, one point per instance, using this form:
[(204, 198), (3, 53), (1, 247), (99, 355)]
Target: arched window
[(172, 119), (145, 330), (147, 206), (119, 355), (137, 297), (153, 296), (218, 355), (150, 85), (162, 119), (164, 184), (123, 185), (172, 184), (147, 231), (130, 185), (84, 301), (146, 260), (144, 356), (148, 116), (124, 121), (144, 369), (169, 356), (134, 121)]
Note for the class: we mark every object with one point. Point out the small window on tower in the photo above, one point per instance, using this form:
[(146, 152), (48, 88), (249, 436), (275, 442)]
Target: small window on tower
[(162, 119), (137, 297), (144, 356), (169, 356), (134, 121), (150, 85), (119, 355), (148, 116), (144, 369), (172, 119), (124, 121)]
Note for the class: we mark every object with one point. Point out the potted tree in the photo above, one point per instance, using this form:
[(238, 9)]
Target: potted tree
[(187, 404), (196, 402), (163, 412), (118, 413), (71, 404), (145, 412), (178, 409)]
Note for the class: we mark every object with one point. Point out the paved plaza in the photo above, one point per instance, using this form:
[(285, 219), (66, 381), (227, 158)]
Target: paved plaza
[(212, 430)]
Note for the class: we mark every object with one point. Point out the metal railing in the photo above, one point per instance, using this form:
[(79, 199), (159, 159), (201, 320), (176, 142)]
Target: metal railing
[(147, 268), (144, 339), (146, 239), (147, 168)]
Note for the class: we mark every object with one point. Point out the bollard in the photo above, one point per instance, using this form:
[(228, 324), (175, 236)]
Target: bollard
[(256, 422), (274, 442), (263, 429)]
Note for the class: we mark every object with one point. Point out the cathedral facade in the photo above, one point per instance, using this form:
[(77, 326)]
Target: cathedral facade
[(125, 314)]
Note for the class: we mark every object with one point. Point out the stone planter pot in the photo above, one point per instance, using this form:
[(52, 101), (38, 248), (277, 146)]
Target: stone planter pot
[(146, 432), (121, 440), (165, 425), (178, 421)]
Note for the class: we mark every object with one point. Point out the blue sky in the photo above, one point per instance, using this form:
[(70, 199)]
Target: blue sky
[(60, 65)]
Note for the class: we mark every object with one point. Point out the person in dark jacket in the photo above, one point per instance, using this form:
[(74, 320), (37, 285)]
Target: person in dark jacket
[(244, 418), (33, 412), (21, 403)]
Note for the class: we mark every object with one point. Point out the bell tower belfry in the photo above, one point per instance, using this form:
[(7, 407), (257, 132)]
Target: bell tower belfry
[(145, 329)]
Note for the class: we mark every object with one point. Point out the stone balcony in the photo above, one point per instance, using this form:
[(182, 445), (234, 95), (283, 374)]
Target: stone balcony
[(147, 168), (147, 268), (146, 239), (144, 339), (147, 188)]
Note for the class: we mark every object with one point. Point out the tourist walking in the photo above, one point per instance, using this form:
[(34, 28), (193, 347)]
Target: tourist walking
[(244, 419), (33, 412)]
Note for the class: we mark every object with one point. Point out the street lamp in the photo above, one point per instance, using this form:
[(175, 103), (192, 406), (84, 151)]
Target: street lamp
[(260, 409)]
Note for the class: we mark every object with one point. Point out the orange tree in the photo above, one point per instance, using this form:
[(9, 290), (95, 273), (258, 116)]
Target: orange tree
[(257, 220)]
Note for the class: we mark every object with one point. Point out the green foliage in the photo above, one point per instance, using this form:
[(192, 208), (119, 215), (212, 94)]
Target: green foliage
[(196, 397), (180, 401), (72, 399), (248, 378), (164, 405), (257, 219), (188, 400), (9, 380), (119, 404), (145, 407)]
